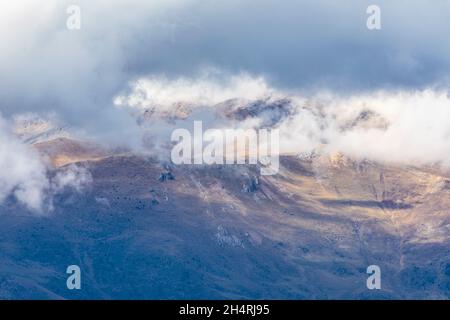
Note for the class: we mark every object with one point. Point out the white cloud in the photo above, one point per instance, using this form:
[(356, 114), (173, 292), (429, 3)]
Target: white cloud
[(410, 127), (212, 87), (72, 177), (404, 126), (25, 175), (22, 172)]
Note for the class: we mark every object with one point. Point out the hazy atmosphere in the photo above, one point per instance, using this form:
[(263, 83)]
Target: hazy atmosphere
[(91, 93)]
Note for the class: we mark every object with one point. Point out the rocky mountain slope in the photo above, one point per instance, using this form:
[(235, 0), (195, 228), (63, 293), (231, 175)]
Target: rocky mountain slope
[(148, 229)]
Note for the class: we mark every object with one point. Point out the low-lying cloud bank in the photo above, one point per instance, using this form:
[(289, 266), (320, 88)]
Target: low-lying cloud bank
[(409, 127), (404, 126), (25, 176)]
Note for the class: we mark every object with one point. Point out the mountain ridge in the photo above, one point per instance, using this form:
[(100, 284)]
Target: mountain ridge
[(226, 232)]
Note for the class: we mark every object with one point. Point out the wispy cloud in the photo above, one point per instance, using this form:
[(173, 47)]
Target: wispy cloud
[(25, 175), (404, 126)]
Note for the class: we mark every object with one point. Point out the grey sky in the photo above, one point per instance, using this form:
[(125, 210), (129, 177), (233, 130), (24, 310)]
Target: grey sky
[(305, 45)]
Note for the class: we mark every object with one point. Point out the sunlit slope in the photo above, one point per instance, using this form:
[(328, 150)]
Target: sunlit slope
[(147, 229)]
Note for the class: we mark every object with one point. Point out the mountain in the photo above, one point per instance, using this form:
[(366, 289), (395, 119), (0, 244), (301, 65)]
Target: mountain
[(150, 229)]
